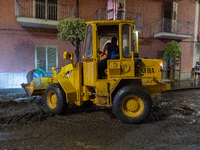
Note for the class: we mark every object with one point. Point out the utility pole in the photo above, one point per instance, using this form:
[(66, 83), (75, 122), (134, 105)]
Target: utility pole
[(77, 8), (196, 26), (77, 40)]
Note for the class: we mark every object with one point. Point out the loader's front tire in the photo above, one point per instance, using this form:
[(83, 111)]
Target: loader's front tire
[(55, 99), (132, 104)]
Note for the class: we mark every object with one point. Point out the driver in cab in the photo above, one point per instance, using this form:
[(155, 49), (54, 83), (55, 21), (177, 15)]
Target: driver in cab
[(112, 52), (112, 49)]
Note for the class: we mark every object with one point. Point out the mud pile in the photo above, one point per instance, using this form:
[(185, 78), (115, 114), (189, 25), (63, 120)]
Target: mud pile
[(173, 124), (22, 109)]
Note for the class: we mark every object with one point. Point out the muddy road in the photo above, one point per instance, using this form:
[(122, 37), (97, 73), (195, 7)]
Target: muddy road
[(174, 123)]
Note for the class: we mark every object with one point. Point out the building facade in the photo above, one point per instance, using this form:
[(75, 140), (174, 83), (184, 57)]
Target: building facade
[(28, 34)]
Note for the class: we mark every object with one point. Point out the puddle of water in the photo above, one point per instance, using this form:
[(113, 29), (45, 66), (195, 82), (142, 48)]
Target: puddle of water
[(184, 84), (21, 99), (177, 116), (198, 113), (4, 136)]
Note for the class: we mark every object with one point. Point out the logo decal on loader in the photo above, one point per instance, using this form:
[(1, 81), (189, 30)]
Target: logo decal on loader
[(146, 70)]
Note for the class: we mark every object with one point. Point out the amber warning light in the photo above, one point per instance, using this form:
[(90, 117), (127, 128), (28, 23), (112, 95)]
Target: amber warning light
[(161, 67)]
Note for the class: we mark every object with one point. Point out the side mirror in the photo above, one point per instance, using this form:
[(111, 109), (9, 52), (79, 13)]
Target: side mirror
[(69, 56)]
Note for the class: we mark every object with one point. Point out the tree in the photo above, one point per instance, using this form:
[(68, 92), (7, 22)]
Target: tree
[(172, 51), (72, 29)]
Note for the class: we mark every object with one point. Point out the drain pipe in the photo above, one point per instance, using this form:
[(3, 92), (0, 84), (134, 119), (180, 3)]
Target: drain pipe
[(195, 56)]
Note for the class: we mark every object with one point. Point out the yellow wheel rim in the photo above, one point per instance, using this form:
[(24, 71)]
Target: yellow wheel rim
[(52, 99), (132, 106)]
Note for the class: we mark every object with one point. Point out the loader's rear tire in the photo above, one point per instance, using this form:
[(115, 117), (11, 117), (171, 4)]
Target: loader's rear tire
[(132, 104), (55, 99)]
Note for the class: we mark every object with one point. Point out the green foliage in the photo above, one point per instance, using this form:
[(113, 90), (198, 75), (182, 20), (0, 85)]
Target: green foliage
[(71, 28), (172, 50)]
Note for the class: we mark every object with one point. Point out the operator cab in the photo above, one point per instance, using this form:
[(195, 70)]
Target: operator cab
[(99, 33)]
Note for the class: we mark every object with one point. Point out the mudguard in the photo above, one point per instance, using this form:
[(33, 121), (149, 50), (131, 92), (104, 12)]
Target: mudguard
[(68, 89)]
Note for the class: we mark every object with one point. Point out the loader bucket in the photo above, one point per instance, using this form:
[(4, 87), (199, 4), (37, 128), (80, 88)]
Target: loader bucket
[(37, 86)]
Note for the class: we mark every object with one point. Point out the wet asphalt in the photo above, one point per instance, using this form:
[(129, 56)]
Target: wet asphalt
[(173, 124)]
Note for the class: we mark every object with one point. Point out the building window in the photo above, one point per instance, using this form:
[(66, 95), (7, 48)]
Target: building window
[(170, 16), (46, 9), (116, 9), (46, 57)]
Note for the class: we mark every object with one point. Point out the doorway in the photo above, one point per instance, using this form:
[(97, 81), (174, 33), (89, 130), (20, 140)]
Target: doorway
[(168, 67), (113, 7)]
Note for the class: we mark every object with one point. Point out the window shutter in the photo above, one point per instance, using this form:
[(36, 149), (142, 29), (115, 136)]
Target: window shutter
[(46, 9), (174, 18), (41, 57), (51, 55)]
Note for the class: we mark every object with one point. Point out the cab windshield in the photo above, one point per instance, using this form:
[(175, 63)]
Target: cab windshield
[(88, 43), (127, 40)]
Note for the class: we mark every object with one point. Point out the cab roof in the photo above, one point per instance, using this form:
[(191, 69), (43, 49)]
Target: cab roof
[(110, 22)]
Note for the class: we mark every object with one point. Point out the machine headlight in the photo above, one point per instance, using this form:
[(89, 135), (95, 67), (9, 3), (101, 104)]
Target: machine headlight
[(161, 67), (67, 74)]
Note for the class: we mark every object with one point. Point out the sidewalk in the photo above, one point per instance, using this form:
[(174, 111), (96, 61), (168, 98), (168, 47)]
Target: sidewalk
[(185, 84), (175, 85), (11, 93)]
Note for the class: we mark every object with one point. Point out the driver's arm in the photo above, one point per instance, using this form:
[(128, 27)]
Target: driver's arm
[(105, 48)]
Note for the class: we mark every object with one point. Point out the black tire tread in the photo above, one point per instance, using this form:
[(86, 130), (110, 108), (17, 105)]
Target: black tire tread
[(131, 90), (61, 97)]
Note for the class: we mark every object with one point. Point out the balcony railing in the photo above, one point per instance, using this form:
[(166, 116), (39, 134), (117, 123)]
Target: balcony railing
[(175, 29), (103, 14), (175, 26), (31, 9)]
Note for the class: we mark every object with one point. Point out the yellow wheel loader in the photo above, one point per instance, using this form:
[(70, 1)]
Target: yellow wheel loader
[(127, 84)]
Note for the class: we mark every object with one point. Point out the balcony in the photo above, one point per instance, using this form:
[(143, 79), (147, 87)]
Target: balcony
[(103, 14), (172, 29), (32, 13)]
